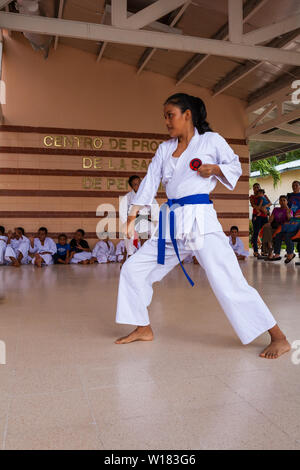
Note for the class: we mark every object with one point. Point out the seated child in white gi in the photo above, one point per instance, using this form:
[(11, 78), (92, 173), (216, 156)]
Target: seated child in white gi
[(63, 250), (237, 244), (42, 248), (121, 252), (17, 248), (3, 240), (80, 250), (104, 251)]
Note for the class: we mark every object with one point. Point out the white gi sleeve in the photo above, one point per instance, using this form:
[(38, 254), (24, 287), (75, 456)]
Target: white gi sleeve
[(35, 248), (149, 186), (52, 247), (228, 162)]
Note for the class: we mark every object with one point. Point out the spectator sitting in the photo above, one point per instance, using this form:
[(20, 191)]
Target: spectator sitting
[(279, 216), (237, 244), (63, 250), (3, 241), (80, 250)]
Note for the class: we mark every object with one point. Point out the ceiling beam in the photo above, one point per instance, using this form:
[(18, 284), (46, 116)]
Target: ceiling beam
[(251, 7), (3, 3), (266, 33), (60, 14), (290, 128), (149, 52), (98, 32), (143, 17), (155, 25), (272, 123), (278, 86), (241, 71), (275, 138), (235, 20)]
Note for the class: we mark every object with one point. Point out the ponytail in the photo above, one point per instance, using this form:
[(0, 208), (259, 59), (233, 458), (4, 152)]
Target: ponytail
[(197, 108)]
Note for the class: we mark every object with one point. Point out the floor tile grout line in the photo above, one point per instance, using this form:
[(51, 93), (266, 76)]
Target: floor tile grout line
[(259, 412), (90, 409), (6, 424)]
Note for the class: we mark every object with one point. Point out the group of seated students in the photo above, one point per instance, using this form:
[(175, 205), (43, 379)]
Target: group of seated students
[(16, 249), (283, 225)]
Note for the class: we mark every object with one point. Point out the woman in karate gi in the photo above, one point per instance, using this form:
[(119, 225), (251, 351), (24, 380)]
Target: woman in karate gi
[(17, 248), (192, 146), (42, 248)]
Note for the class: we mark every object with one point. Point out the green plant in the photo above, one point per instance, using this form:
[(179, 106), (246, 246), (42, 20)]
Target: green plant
[(267, 167)]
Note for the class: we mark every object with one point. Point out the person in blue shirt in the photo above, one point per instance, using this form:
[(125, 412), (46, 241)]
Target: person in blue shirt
[(63, 250)]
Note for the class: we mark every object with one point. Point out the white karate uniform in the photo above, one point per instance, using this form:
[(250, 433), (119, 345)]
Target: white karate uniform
[(120, 249), (104, 253), (81, 256), (238, 248), (49, 245), (15, 247), (3, 241), (198, 231), (142, 226)]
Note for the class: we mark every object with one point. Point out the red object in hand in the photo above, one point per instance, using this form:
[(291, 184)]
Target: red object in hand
[(135, 240), (195, 164)]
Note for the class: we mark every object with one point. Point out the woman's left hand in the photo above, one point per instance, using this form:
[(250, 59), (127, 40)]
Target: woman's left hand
[(207, 170)]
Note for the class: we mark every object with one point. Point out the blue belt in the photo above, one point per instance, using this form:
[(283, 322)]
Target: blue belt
[(194, 199)]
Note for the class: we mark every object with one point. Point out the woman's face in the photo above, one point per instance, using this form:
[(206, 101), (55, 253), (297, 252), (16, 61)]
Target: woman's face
[(177, 122), (282, 202), (296, 186), (256, 188)]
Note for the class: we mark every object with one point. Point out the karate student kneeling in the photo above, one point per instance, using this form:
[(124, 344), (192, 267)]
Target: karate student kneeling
[(189, 165), (42, 248)]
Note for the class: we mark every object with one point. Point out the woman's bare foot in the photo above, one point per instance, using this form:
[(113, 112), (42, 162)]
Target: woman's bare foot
[(276, 348), (141, 333)]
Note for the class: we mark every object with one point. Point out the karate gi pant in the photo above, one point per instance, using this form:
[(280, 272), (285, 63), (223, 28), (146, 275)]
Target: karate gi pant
[(84, 255), (243, 306), (11, 252), (2, 251), (47, 259)]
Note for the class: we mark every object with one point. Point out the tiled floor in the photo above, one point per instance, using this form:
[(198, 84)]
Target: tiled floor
[(66, 385)]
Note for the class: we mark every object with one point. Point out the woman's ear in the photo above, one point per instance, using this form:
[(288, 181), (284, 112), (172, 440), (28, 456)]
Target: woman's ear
[(188, 114)]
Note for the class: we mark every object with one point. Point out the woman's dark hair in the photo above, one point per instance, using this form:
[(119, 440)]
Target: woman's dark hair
[(234, 227), (2, 229), (21, 230), (43, 229), (81, 231), (133, 177), (197, 107)]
